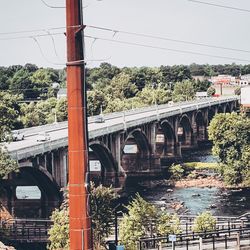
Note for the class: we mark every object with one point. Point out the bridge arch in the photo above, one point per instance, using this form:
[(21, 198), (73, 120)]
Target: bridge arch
[(228, 108), (200, 127), (211, 114), (185, 132), (136, 152), (220, 109), (106, 171), (27, 178), (165, 143)]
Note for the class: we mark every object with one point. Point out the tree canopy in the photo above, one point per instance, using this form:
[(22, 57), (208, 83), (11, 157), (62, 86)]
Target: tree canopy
[(231, 143)]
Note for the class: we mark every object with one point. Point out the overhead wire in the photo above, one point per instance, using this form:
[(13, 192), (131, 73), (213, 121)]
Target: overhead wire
[(42, 53), (167, 49), (220, 6), (28, 36), (115, 31), (51, 6)]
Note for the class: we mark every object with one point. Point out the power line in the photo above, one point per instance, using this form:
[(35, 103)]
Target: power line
[(220, 6), (115, 31), (167, 49), (43, 55), (30, 36), (52, 7)]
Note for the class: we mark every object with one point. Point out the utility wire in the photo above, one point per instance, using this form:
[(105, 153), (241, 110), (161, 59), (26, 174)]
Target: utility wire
[(166, 39), (43, 55), (167, 49), (52, 7), (115, 31), (29, 36), (219, 5)]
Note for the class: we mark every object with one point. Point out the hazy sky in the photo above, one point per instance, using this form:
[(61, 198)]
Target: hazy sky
[(174, 19)]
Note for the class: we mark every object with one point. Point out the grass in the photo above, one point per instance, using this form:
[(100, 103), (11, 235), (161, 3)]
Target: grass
[(201, 165)]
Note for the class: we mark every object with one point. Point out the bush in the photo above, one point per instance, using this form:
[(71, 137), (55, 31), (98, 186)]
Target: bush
[(177, 171), (204, 222), (168, 224), (102, 215)]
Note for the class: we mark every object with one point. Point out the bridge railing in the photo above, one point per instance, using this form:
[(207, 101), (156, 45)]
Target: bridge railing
[(25, 230), (222, 237)]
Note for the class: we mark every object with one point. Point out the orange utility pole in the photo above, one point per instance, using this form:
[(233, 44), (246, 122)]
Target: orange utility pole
[(79, 218)]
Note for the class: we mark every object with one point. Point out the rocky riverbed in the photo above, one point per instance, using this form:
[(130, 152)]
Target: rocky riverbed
[(193, 196)]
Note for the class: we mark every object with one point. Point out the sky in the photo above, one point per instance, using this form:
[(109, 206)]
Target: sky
[(180, 20)]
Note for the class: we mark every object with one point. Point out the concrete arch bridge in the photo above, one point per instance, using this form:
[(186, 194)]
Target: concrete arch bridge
[(132, 144)]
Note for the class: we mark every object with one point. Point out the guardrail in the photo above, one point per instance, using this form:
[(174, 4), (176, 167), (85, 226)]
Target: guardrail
[(25, 230), (154, 113), (224, 238)]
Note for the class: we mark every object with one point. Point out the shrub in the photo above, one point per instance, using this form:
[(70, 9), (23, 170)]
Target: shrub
[(204, 222), (177, 172)]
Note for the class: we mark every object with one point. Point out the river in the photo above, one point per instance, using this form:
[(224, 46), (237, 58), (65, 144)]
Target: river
[(195, 200)]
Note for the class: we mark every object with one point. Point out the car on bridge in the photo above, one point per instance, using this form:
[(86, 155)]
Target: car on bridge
[(17, 135), (99, 119), (43, 136)]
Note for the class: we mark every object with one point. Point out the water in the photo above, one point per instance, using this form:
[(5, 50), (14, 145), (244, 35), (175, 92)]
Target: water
[(28, 192), (195, 200)]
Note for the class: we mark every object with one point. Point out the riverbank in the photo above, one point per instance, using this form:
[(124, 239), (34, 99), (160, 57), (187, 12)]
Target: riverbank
[(209, 181)]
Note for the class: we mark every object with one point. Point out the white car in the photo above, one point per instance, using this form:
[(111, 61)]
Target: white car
[(99, 119), (43, 136), (17, 135)]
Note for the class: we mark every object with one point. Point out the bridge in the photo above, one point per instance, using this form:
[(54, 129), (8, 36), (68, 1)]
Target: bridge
[(131, 144)]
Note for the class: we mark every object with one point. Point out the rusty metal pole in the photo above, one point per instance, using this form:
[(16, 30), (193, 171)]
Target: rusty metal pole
[(79, 220)]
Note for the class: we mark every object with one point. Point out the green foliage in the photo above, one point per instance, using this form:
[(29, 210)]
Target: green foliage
[(176, 171), (134, 224), (168, 224), (7, 164), (200, 86), (204, 222), (183, 91), (102, 215), (201, 165), (9, 112), (230, 136), (43, 112), (211, 91), (59, 232)]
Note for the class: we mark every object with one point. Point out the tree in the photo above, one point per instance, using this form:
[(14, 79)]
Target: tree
[(122, 87), (230, 136), (59, 232), (183, 91), (9, 112), (204, 222), (177, 171), (102, 215), (7, 165), (211, 91), (21, 84), (61, 109), (200, 86), (96, 100), (168, 224), (43, 79), (8, 116), (134, 224), (138, 220)]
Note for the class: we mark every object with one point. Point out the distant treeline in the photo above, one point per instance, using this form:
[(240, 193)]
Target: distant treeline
[(28, 93)]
